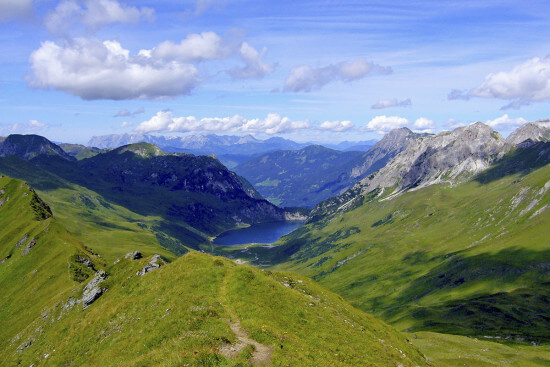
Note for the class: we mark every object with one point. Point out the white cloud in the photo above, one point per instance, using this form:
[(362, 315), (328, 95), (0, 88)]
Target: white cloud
[(11, 9), (504, 122), (195, 47), (273, 124), (336, 126), (126, 123), (125, 113), (383, 124), (104, 70), (424, 125), (254, 66), (525, 83), (93, 14), (386, 103), (36, 124), (304, 78)]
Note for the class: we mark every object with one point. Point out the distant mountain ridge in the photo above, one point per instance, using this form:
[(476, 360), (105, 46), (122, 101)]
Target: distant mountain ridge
[(298, 178), (307, 176), (199, 144)]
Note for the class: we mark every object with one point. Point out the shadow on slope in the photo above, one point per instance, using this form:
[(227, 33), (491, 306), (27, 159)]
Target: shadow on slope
[(521, 160)]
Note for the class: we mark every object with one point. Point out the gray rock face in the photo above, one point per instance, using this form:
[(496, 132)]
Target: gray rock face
[(155, 263), (29, 246), (534, 131), (134, 255), (93, 291), (445, 157), (382, 152)]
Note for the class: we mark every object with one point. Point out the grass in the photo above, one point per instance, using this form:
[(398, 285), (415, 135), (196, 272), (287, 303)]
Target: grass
[(455, 351), (176, 315)]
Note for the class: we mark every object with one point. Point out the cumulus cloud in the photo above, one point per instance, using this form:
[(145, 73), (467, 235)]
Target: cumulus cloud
[(93, 14), (12, 9), (504, 122), (254, 66), (195, 47), (383, 124), (525, 83), (304, 78), (125, 113), (387, 103), (104, 70), (273, 124), (337, 126), (424, 125)]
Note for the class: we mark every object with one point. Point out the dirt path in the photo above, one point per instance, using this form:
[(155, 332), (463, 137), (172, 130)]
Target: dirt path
[(261, 356)]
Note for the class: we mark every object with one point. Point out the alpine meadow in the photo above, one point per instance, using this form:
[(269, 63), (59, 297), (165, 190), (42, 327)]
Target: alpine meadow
[(258, 183)]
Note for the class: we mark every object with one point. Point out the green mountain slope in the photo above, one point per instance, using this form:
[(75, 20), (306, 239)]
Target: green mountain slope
[(188, 199), (298, 178), (39, 261), (80, 151), (472, 259), (62, 305)]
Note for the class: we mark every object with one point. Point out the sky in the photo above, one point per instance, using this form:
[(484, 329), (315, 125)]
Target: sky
[(324, 71)]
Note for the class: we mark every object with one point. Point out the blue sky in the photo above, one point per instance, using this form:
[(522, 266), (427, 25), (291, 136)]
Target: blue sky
[(308, 70)]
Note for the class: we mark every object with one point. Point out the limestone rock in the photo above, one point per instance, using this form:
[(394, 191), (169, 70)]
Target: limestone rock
[(155, 263), (93, 291)]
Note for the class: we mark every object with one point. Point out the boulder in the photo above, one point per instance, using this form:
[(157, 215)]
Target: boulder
[(155, 263), (134, 255), (93, 291)]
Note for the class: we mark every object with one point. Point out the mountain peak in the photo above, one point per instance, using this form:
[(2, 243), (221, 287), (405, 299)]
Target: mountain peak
[(534, 131), (30, 146), (144, 150)]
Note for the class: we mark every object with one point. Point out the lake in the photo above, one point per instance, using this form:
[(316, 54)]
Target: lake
[(257, 233)]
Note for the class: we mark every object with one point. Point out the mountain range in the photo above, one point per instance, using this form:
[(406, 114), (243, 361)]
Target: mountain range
[(218, 145), (443, 236)]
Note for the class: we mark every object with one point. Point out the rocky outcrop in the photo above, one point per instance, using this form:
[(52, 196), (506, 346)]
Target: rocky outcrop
[(29, 246), (93, 290), (134, 255), (382, 152), (155, 263)]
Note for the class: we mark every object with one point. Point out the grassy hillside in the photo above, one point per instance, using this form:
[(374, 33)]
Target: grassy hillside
[(39, 261), (471, 259), (101, 224), (198, 310)]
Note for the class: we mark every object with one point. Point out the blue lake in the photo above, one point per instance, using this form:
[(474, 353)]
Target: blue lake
[(257, 233)]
